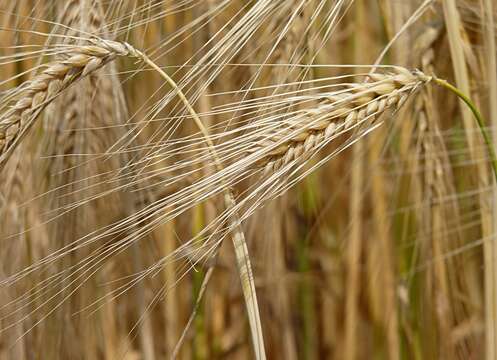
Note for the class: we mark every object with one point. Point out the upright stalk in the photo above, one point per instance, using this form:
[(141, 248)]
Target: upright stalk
[(491, 62)]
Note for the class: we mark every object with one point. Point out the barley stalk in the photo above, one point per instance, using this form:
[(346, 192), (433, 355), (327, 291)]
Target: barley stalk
[(491, 62), (238, 238)]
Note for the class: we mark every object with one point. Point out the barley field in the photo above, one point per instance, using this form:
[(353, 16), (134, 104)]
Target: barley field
[(248, 179)]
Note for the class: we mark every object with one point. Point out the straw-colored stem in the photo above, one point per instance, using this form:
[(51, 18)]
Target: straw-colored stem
[(238, 237), (491, 63)]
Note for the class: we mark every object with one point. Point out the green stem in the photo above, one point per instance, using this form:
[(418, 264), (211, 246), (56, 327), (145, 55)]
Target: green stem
[(479, 118)]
